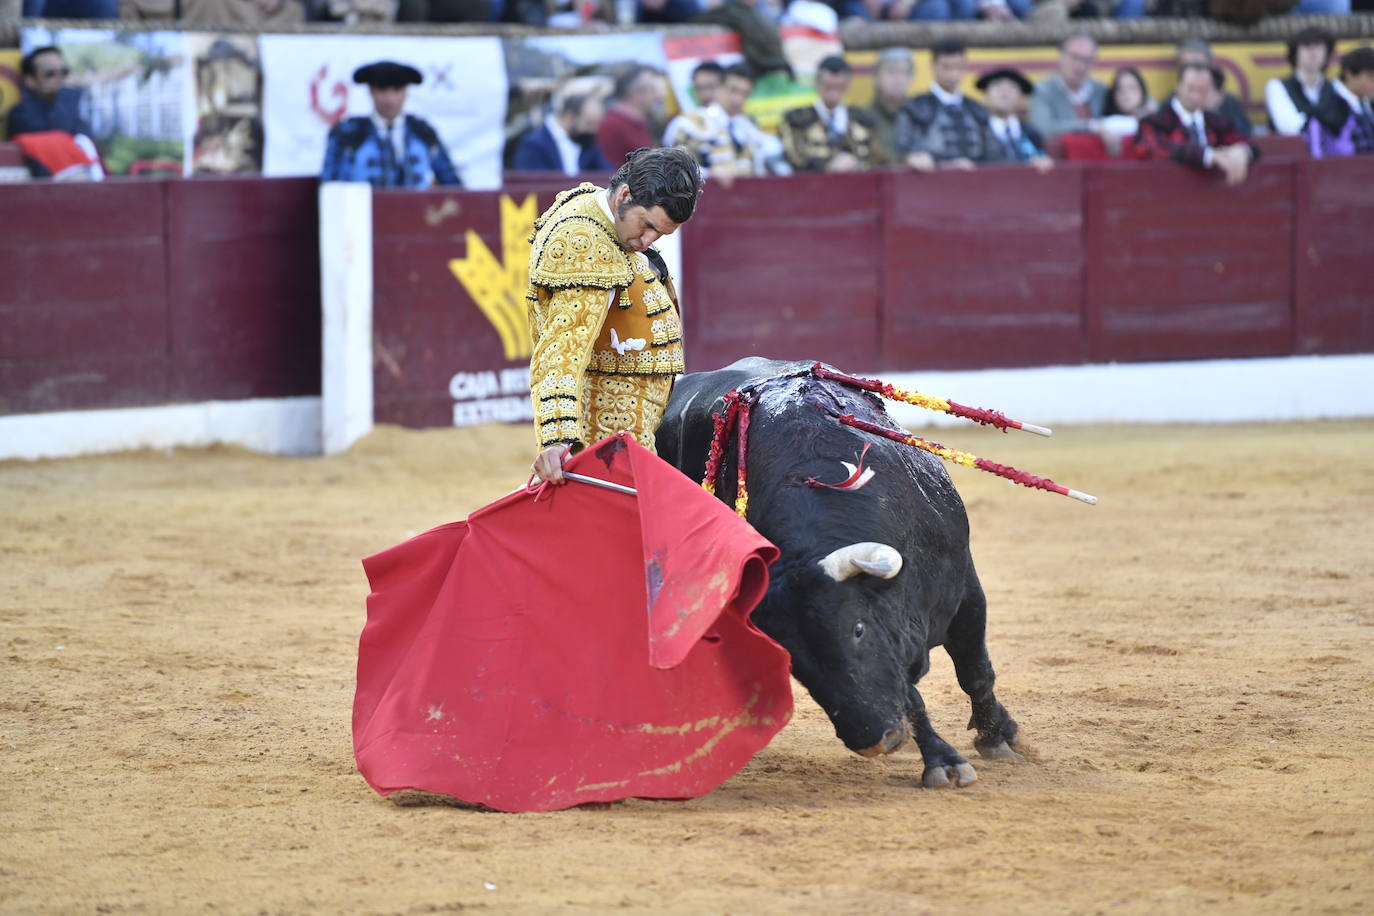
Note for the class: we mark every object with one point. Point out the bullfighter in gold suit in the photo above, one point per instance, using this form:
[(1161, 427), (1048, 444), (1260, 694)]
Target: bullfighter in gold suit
[(603, 313)]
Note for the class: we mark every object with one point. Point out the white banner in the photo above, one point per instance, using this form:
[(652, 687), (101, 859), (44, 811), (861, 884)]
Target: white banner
[(308, 87)]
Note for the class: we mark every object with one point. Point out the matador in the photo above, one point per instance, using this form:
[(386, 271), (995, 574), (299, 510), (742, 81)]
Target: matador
[(603, 313)]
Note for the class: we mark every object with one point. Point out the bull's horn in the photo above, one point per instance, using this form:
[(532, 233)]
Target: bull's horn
[(868, 557)]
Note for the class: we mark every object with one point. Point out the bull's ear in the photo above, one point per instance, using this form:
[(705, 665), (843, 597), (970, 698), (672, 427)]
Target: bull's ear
[(868, 557)]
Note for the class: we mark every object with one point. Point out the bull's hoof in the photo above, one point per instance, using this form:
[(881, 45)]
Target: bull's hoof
[(944, 777), (999, 751), (1011, 749)]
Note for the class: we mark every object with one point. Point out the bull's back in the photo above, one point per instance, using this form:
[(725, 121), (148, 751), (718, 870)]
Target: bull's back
[(684, 436)]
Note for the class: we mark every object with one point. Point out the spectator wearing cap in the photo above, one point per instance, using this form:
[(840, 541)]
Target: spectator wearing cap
[(1187, 133), (387, 149), (1349, 107), (1195, 51), (1004, 94), (47, 103), (628, 125), (829, 136), (1070, 101), (942, 128), (1297, 97), (892, 76), (566, 142)]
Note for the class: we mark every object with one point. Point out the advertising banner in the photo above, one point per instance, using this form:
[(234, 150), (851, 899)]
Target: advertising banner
[(308, 88), (137, 94), (10, 59), (226, 83)]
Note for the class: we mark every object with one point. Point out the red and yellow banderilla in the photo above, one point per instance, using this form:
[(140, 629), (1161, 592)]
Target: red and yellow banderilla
[(895, 393), (964, 458)]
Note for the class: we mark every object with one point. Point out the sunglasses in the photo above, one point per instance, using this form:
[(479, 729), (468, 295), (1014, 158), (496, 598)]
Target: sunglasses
[(61, 71)]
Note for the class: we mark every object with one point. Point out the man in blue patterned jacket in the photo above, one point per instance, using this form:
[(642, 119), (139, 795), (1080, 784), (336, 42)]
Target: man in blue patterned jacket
[(387, 149)]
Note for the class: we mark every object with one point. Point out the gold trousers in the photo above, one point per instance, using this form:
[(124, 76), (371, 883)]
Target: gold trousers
[(623, 403)]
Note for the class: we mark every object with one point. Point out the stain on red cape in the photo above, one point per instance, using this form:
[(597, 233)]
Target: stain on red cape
[(588, 646)]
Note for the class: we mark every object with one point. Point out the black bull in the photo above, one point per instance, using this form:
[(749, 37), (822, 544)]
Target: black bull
[(859, 620)]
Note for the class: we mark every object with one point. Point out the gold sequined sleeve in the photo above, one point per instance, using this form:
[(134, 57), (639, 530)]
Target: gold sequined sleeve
[(565, 323)]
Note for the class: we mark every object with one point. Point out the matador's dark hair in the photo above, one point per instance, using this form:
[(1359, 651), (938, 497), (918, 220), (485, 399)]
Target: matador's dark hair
[(666, 177)]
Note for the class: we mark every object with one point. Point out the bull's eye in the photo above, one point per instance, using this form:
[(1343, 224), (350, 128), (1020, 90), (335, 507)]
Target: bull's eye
[(858, 629)]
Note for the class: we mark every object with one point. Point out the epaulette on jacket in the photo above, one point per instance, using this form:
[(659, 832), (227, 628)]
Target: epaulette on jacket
[(577, 249), (352, 132), (802, 118)]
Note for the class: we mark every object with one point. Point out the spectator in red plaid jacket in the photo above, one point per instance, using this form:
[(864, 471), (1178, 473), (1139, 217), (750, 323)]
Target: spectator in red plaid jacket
[(1187, 133)]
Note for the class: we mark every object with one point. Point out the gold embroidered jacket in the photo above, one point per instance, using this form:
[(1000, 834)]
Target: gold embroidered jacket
[(810, 147), (596, 309)]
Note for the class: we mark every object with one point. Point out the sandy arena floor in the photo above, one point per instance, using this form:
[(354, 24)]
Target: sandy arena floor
[(1193, 659)]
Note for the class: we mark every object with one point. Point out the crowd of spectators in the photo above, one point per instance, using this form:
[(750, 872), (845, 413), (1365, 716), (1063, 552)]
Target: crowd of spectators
[(1068, 115), (592, 13)]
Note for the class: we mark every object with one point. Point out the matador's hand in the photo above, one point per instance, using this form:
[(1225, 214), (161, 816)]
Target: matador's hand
[(548, 464)]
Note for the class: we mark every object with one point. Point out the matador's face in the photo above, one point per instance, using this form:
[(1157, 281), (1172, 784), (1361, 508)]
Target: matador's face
[(638, 227)]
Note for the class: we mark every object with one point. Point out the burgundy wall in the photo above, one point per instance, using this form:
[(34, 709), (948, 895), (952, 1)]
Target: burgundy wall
[(425, 326), (135, 293), (1003, 267), (131, 293)]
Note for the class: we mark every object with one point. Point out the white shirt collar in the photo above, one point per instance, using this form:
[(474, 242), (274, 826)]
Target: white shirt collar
[(1188, 119), (946, 98), (840, 116), (398, 132), (568, 151), (1009, 126)]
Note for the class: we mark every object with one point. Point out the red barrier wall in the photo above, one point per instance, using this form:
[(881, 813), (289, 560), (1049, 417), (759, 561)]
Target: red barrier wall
[(132, 293), (137, 293), (426, 325)]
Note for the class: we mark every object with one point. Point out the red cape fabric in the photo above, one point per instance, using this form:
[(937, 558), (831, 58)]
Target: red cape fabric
[(582, 646)]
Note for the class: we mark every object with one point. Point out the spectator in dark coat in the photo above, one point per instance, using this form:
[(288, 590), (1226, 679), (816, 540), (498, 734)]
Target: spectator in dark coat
[(628, 124), (567, 141), (830, 136), (1197, 51), (1187, 133), (47, 104), (941, 127), (1005, 92)]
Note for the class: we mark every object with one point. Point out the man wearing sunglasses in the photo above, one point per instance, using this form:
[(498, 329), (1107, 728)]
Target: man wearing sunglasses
[(47, 104)]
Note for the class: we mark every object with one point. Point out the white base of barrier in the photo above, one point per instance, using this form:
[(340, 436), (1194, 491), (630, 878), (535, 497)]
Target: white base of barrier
[(1213, 391), (279, 426), (1208, 391)]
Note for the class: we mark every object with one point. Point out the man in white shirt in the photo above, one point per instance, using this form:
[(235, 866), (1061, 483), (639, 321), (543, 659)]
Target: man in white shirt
[(1291, 101), (1185, 132)]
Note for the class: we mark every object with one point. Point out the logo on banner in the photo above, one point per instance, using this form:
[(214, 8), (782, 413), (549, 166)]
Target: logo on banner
[(339, 92), (498, 285)]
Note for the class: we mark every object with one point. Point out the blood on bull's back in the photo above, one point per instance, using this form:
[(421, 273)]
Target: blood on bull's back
[(875, 568)]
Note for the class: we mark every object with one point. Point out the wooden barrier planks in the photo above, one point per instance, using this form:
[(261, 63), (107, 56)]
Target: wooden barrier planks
[(1182, 267), (1333, 255), (982, 268), (244, 287), (83, 296), (786, 268)]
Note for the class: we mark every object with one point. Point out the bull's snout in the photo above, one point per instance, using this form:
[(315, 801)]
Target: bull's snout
[(893, 738)]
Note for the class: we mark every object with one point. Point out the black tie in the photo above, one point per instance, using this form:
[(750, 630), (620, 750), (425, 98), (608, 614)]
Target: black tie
[(388, 159), (1199, 135)]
